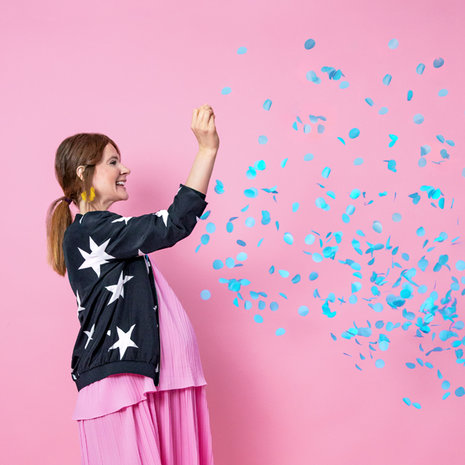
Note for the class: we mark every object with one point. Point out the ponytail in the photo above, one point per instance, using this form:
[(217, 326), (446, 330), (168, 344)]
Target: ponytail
[(57, 220)]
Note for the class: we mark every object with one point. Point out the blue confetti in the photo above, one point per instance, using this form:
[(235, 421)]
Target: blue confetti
[(377, 227), (443, 92), (258, 318), (369, 101), (379, 363), (267, 104), (326, 171), (418, 118), (353, 133), (343, 85), (393, 44), (288, 238), (438, 62), (241, 50), (383, 110), (280, 331), (309, 44), (409, 95), (387, 79), (226, 90), (262, 140), (420, 68), (303, 310), (205, 294)]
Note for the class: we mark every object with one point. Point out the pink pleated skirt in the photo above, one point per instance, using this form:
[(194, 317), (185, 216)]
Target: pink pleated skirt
[(166, 428)]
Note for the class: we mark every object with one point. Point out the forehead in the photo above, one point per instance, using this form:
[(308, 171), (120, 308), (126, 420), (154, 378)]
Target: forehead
[(109, 152)]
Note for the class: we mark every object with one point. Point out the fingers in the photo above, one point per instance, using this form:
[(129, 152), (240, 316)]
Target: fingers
[(203, 116)]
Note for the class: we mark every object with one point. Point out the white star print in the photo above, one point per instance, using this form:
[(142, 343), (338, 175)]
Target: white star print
[(118, 288), (89, 335), (79, 303), (164, 214), (124, 341), (97, 257), (123, 218)]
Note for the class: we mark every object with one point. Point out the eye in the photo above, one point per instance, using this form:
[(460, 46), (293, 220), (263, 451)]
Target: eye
[(113, 162)]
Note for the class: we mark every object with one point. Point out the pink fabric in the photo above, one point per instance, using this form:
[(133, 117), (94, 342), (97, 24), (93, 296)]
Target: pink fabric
[(180, 364), (166, 428)]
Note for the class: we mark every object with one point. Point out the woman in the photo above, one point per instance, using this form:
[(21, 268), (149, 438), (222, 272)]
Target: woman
[(141, 390)]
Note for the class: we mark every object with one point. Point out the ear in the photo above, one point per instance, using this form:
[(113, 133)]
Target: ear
[(79, 171)]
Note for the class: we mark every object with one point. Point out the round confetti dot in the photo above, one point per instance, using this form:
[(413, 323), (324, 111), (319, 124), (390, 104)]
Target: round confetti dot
[(308, 156), (384, 345), (267, 104), (274, 306), (251, 193), (262, 140), (416, 405), (204, 239), (418, 118), (459, 392), (383, 110), (241, 50), (393, 44), (379, 363), (317, 257), (303, 310), (288, 239), (420, 68), (241, 256), (443, 92), (410, 365), (396, 217), (407, 401), (445, 385), (387, 79), (354, 132), (438, 62), (226, 90), (280, 331), (377, 227), (258, 318), (309, 44), (205, 294), (211, 228), (344, 85), (460, 265), (422, 162), (250, 222), (217, 264), (358, 161), (313, 275)]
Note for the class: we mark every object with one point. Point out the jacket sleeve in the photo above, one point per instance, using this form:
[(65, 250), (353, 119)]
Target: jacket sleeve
[(126, 237)]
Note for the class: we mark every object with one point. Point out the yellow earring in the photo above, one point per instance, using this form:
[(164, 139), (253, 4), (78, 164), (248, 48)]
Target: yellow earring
[(92, 194)]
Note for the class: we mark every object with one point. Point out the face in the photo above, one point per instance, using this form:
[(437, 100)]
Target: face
[(108, 172)]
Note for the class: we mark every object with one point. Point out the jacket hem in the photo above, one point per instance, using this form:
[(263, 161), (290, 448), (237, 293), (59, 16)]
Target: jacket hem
[(125, 366)]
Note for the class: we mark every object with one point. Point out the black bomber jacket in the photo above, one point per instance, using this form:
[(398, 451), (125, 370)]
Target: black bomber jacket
[(111, 276)]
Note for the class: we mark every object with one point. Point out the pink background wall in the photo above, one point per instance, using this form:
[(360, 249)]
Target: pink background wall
[(135, 73)]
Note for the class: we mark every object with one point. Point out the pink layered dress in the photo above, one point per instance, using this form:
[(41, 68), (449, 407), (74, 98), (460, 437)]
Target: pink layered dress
[(126, 419)]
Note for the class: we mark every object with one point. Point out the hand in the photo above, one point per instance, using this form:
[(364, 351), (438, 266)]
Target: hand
[(203, 126)]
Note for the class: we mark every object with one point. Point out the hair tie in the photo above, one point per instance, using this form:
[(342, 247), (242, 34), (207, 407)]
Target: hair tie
[(67, 199)]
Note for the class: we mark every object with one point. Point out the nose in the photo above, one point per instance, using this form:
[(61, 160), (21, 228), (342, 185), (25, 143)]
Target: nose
[(125, 170)]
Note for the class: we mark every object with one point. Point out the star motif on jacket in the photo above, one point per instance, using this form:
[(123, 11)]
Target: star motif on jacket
[(79, 309), (118, 288), (89, 335), (97, 257), (124, 341), (164, 214), (123, 218)]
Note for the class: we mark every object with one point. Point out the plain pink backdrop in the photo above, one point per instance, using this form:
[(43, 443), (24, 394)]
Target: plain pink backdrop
[(135, 71)]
